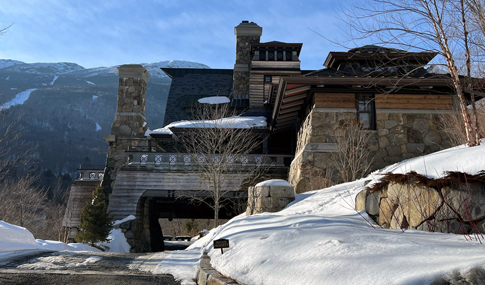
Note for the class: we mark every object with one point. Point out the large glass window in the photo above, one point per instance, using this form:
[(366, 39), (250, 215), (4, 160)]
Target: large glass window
[(366, 111)]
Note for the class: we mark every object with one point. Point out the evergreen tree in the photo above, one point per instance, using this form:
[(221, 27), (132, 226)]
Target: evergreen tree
[(96, 221)]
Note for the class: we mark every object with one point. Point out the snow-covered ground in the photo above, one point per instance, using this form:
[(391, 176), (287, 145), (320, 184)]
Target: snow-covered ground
[(17, 241), (320, 239)]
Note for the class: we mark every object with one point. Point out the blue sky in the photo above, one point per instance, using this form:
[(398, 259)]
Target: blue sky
[(105, 32)]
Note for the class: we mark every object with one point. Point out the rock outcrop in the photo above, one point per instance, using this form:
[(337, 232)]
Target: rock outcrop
[(453, 204)]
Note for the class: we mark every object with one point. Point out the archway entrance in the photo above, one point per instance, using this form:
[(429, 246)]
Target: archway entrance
[(149, 233)]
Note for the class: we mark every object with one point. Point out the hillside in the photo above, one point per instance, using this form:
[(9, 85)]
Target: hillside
[(63, 110)]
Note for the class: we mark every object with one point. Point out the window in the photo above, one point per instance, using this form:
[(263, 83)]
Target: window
[(267, 78), (366, 111), (288, 55), (279, 55), (271, 55)]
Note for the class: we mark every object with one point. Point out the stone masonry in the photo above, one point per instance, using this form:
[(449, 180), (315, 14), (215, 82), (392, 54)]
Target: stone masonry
[(246, 34), (400, 134), (129, 126), (269, 196)]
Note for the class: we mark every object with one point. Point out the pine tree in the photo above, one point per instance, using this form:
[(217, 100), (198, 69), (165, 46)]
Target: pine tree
[(96, 221)]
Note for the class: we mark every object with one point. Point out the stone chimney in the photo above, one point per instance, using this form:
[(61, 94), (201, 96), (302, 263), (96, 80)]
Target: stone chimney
[(129, 126), (246, 34), (130, 111)]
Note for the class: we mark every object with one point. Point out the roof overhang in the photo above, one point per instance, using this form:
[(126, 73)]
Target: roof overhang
[(293, 92)]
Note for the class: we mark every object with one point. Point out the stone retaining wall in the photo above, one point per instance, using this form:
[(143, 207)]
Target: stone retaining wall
[(458, 208), (400, 134)]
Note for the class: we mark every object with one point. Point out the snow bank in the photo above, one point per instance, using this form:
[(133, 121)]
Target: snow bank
[(435, 165), (17, 241), (14, 237), (214, 100), (320, 239), (117, 241), (236, 122)]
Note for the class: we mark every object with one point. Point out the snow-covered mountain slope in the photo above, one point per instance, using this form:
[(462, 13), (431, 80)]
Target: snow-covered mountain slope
[(44, 68), (8, 62), (8, 65), (152, 68)]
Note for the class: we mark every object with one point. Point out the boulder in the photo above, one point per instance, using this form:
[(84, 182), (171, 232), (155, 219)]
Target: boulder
[(417, 203), (386, 211), (468, 200), (360, 200), (372, 203), (269, 196)]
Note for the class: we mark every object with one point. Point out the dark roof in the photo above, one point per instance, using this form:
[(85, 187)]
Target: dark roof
[(376, 54), (356, 73), (373, 48), (181, 72), (189, 84)]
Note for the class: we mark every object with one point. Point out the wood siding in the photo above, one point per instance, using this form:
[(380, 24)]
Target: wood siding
[(258, 89), (411, 101), (386, 101), (334, 100)]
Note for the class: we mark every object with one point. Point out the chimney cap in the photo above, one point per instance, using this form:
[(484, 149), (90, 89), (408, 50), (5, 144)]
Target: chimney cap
[(246, 28), (133, 71)]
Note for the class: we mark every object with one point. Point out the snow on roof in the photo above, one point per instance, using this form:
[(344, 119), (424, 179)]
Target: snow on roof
[(214, 100), (236, 122), (274, 182)]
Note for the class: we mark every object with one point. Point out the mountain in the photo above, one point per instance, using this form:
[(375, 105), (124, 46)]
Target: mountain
[(63, 110)]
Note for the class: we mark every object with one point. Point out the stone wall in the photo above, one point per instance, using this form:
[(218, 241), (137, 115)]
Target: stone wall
[(400, 134), (455, 208)]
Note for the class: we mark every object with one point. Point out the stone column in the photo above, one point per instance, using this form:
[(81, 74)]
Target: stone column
[(246, 34), (129, 126)]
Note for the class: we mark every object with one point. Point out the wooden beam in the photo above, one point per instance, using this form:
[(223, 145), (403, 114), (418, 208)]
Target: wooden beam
[(296, 90), (286, 111), (295, 97), (292, 104)]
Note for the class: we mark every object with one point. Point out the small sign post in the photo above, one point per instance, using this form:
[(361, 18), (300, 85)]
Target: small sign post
[(221, 243)]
